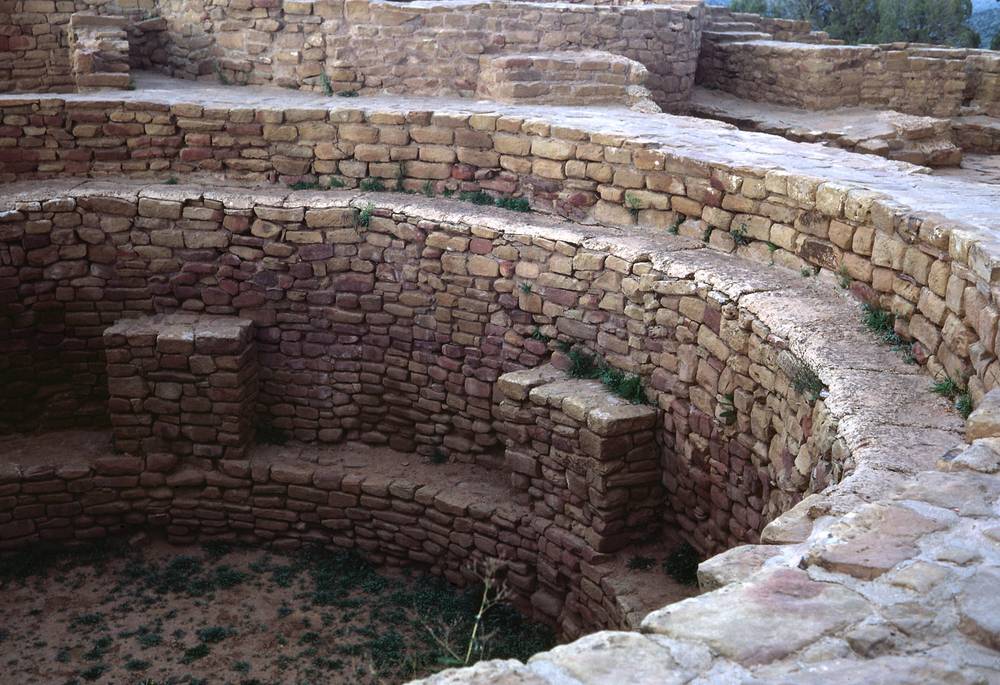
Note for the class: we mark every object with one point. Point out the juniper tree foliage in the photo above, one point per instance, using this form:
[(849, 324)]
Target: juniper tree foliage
[(877, 21)]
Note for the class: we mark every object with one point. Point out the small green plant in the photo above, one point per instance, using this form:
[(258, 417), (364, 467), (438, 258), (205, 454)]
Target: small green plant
[(241, 666), (448, 192), (223, 79), (728, 413), (428, 188), (628, 386), (438, 456), (806, 272), (952, 390), (682, 564), (192, 654), (336, 182), (882, 324), (268, 434), (327, 84), (137, 664), (640, 563), (771, 247), (634, 205), (675, 227), (494, 594), (963, 404), (365, 215), (372, 184), (214, 634), (946, 387), (565, 346), (476, 197), (843, 278), (94, 672), (172, 181), (706, 235), (131, 84), (347, 93), (583, 365), (740, 236), (305, 185), (539, 336), (514, 204), (526, 287), (807, 383)]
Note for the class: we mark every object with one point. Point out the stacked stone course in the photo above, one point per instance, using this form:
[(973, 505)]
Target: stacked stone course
[(930, 273), (99, 51), (590, 457), (913, 79), (587, 77), (182, 383), (396, 334)]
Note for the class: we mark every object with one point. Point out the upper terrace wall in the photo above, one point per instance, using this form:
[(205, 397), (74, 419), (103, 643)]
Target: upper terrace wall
[(912, 79), (423, 48)]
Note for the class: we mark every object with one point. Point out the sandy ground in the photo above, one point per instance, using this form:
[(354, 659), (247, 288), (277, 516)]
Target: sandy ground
[(161, 614)]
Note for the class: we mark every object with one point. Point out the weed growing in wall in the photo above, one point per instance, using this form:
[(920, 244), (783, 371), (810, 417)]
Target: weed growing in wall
[(476, 197), (844, 278), (628, 386), (675, 227), (327, 85), (882, 324), (682, 564), (537, 334), (640, 563), (372, 185), (366, 214), (740, 236), (634, 205), (347, 93), (957, 393), (223, 79), (514, 204), (728, 409), (807, 383)]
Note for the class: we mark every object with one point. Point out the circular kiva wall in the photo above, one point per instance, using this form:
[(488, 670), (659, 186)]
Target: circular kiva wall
[(433, 326)]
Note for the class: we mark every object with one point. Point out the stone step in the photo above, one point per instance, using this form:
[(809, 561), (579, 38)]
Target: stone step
[(585, 77), (734, 36), (730, 26), (978, 134), (600, 455)]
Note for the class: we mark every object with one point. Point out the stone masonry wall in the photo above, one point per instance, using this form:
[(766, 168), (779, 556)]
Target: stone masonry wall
[(182, 383), (396, 332), (424, 48), (934, 276), (34, 40), (914, 79), (588, 458)]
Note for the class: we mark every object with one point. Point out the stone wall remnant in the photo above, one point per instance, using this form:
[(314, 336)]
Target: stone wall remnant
[(182, 383)]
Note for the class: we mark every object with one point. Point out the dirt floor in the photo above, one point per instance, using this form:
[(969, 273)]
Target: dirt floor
[(157, 614)]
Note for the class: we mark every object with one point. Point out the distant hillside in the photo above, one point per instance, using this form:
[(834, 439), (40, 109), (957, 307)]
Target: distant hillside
[(987, 24)]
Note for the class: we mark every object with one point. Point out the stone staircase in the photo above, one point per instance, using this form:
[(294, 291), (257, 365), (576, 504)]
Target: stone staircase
[(588, 77), (722, 22)]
